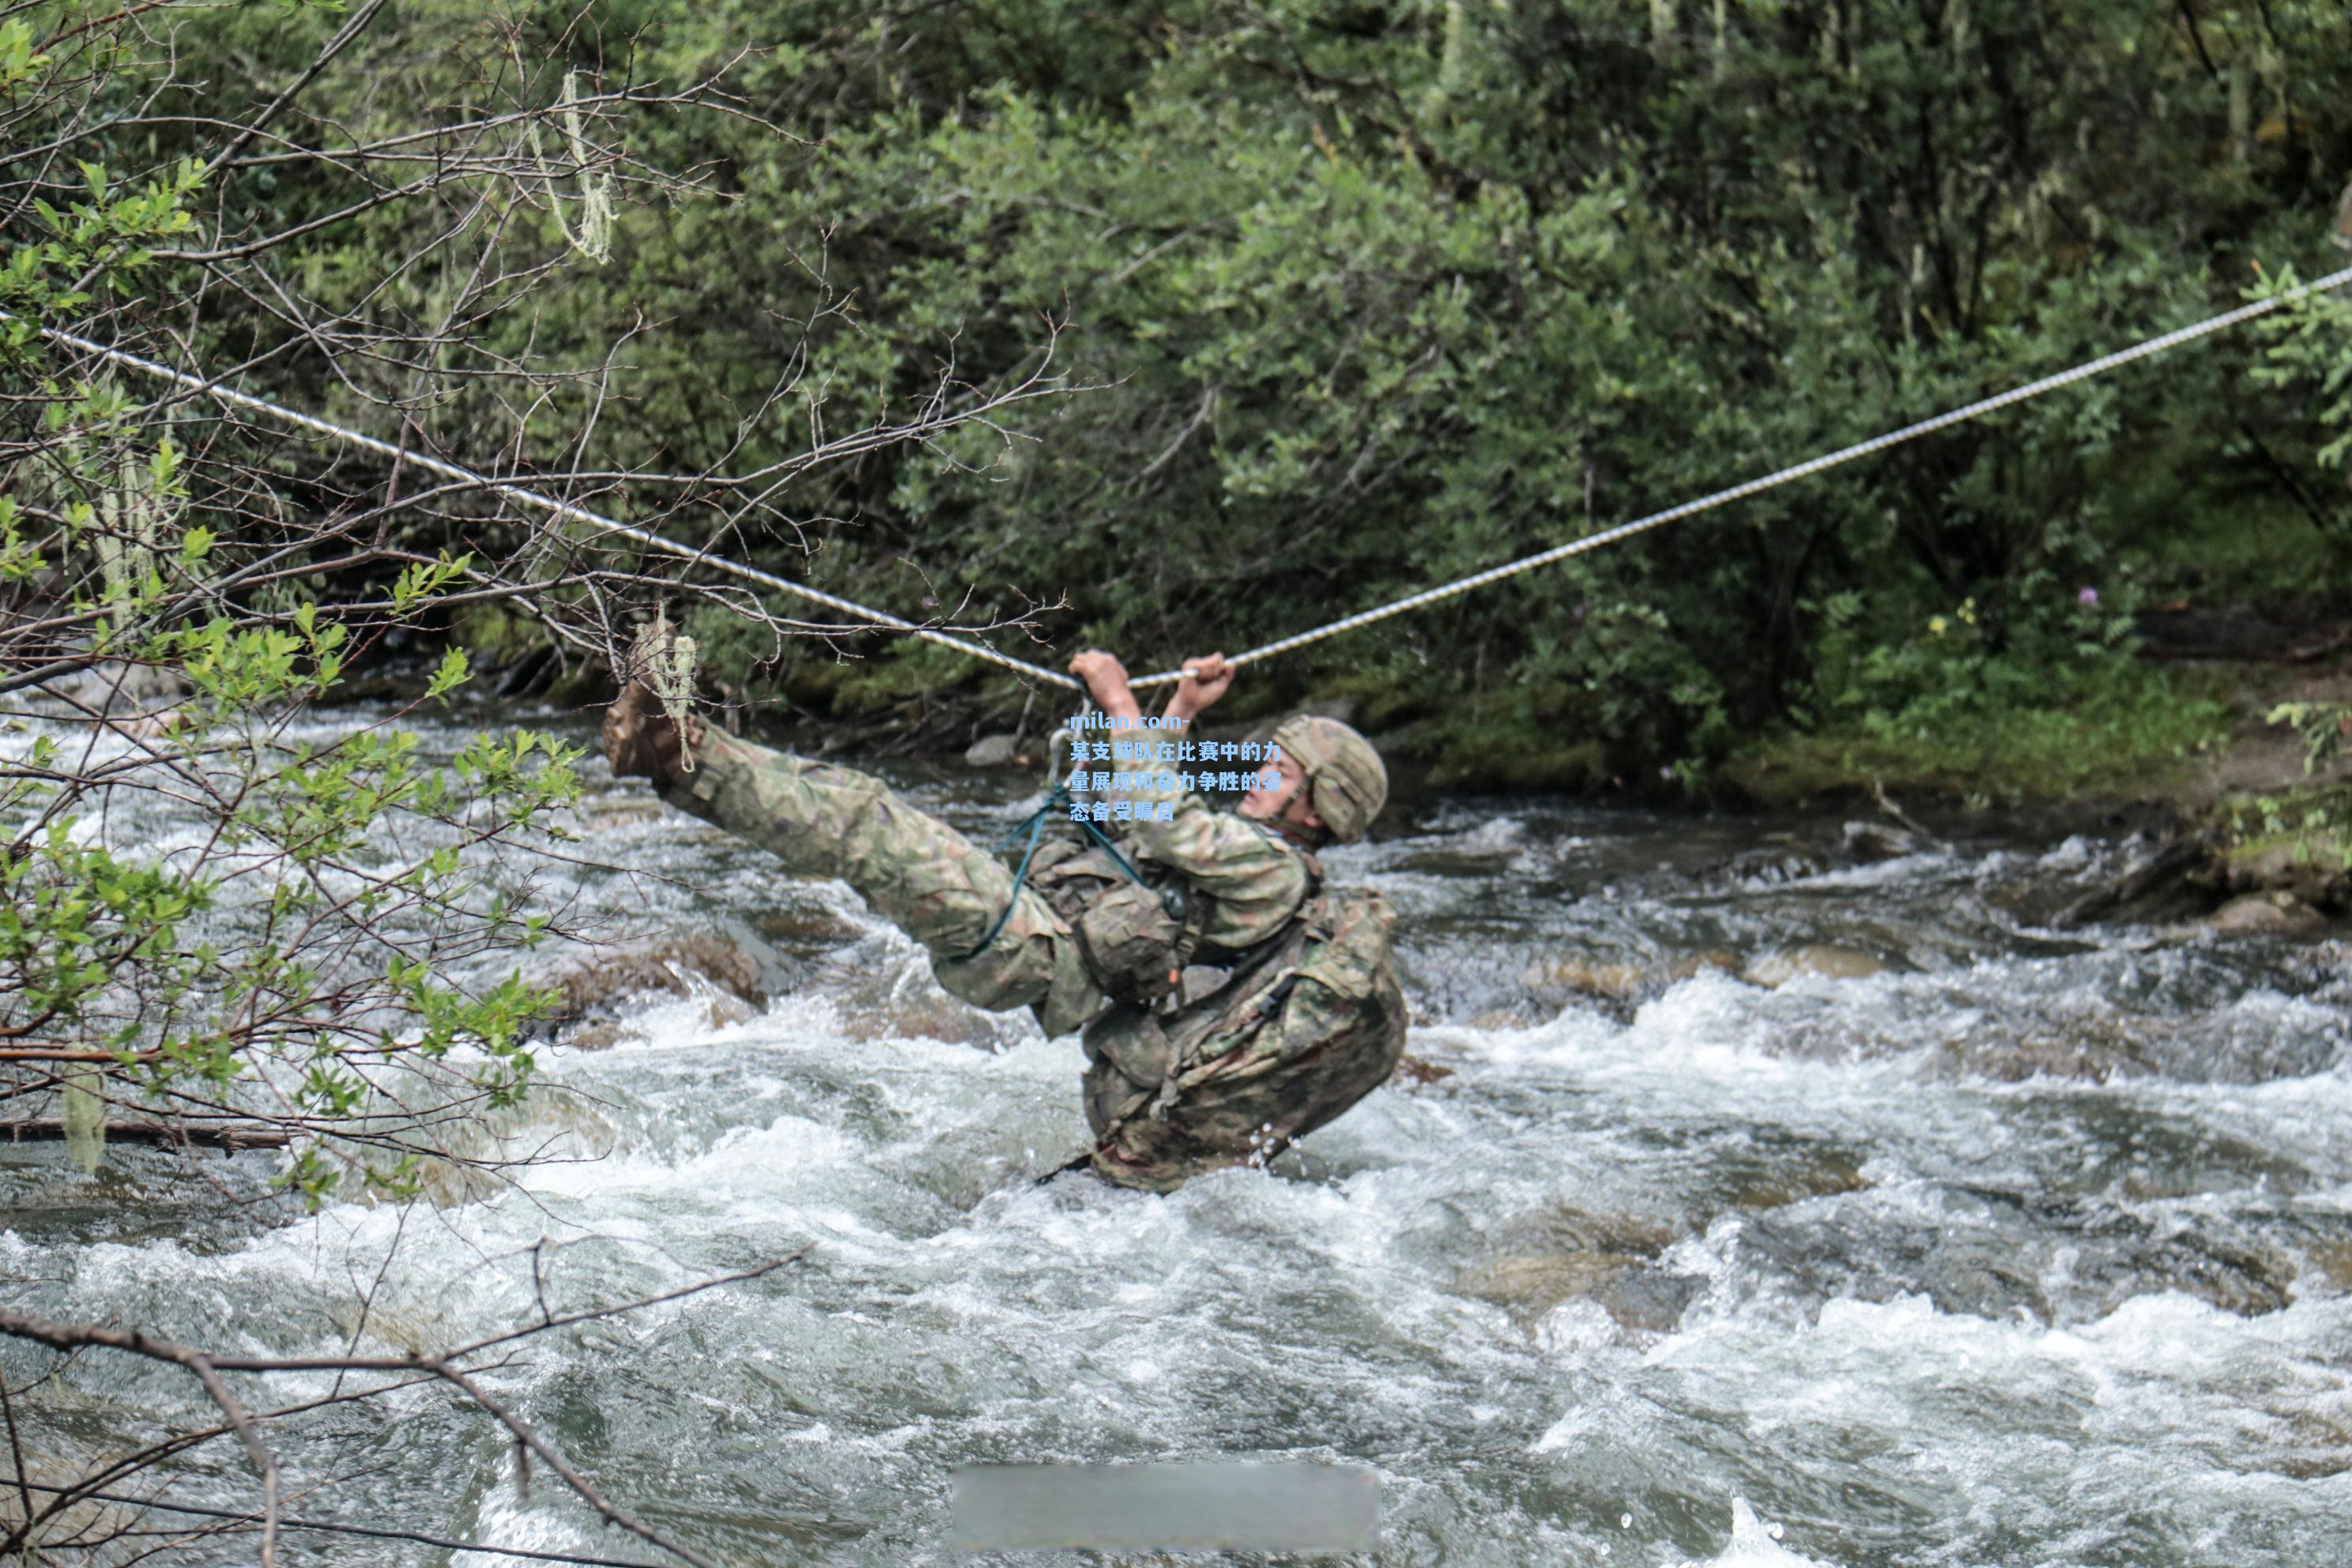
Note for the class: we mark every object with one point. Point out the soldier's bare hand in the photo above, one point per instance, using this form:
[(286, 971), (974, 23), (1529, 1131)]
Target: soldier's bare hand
[(1105, 680), (1204, 680)]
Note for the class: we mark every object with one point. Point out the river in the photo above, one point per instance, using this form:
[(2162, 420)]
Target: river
[(1971, 1241)]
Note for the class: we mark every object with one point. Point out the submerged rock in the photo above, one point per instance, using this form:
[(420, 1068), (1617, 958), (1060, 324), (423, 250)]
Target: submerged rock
[(1649, 1299), (2276, 913), (1619, 987), (1776, 1187), (598, 989), (1610, 1259), (2332, 1260), (2088, 1051), (2057, 1258), (899, 1000), (475, 1157), (991, 752), (1774, 970), (1534, 1283), (1580, 976), (1755, 1544)]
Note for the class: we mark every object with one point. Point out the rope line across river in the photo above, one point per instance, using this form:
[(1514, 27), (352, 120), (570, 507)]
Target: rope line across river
[(1773, 480)]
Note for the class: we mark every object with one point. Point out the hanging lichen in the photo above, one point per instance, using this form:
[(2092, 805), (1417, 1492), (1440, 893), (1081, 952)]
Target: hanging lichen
[(134, 519), (593, 237), (2270, 66), (83, 1110), (2241, 113), (1453, 53)]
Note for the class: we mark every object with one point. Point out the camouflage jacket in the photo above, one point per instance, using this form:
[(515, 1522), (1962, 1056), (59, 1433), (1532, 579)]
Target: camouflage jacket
[(1253, 879), (1310, 1019)]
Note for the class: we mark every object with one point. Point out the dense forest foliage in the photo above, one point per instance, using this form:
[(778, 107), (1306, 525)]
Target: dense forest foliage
[(1352, 298)]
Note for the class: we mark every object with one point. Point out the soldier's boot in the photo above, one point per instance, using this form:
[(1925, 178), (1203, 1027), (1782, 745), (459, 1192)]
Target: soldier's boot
[(641, 741)]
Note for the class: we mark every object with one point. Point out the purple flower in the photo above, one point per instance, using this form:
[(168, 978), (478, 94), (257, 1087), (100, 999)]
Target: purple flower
[(2087, 596)]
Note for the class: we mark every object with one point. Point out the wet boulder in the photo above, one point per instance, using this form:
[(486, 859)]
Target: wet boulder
[(598, 990), (117, 687), (1821, 960), (2276, 913), (2309, 868), (1545, 1258), (2165, 879), (804, 930), (948, 1021), (1873, 841), (1785, 859), (991, 751)]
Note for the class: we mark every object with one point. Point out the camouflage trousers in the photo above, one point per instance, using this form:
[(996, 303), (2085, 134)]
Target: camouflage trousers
[(920, 874)]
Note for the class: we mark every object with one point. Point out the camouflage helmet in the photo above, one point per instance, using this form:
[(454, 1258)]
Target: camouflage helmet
[(1346, 783)]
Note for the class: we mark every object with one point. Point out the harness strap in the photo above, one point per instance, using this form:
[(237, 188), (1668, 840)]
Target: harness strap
[(1057, 797)]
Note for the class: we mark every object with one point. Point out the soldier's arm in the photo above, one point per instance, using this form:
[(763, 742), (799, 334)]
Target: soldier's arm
[(1254, 879)]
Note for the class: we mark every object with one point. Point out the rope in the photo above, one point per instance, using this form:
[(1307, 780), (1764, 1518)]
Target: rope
[(1782, 477), (1606, 537), (548, 503)]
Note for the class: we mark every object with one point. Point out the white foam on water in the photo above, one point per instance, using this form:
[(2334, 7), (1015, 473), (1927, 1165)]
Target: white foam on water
[(951, 1309), (2071, 854), (1900, 871), (1755, 1544), (503, 1519)]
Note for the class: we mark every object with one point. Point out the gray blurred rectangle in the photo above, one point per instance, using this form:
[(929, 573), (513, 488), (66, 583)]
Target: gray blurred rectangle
[(1204, 1505)]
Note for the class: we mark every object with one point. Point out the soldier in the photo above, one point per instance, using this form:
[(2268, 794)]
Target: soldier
[(1309, 1017)]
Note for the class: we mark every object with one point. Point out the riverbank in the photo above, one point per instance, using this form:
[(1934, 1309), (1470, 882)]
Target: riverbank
[(2219, 748)]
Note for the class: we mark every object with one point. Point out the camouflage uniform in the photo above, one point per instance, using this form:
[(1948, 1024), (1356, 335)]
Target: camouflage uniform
[(1310, 1020)]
